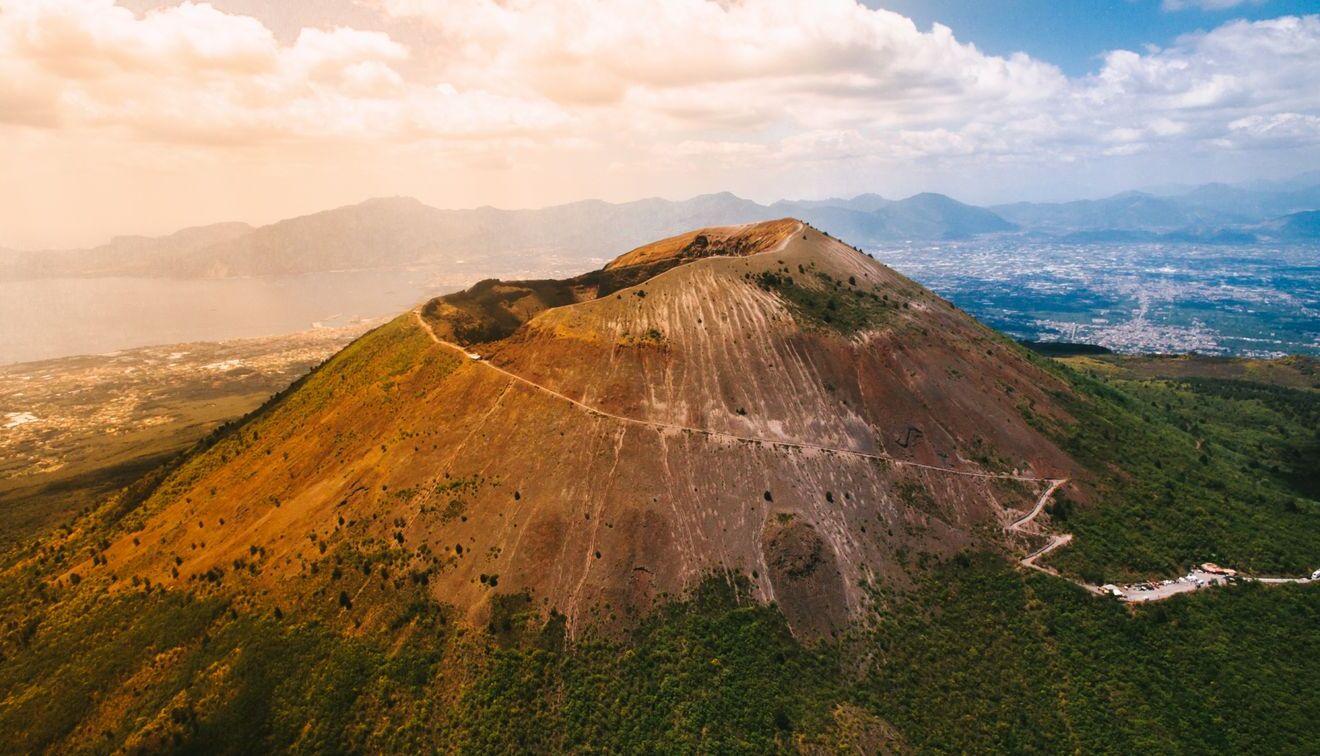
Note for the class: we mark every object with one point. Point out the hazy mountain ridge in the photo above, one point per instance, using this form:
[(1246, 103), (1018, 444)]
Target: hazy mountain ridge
[(1128, 211), (1305, 225), (394, 232), (400, 231), (123, 255), (1210, 212), (1295, 227)]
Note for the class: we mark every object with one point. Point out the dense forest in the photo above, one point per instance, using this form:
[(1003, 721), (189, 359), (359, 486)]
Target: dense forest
[(982, 657)]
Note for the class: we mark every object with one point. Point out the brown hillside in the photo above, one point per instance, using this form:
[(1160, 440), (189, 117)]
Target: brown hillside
[(779, 405), (727, 241), (492, 309)]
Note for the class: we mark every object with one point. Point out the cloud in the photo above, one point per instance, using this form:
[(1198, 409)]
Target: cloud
[(1197, 89), (191, 73), (702, 94), (1286, 129), (624, 72), (793, 68), (604, 51)]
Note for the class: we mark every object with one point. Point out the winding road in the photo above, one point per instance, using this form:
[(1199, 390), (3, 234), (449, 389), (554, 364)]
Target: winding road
[(662, 426), (1056, 541), (1040, 505)]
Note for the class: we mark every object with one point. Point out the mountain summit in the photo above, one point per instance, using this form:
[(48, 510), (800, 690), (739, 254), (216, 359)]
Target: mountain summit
[(744, 490), (760, 400)]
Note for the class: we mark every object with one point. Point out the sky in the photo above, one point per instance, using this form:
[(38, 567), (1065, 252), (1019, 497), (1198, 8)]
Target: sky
[(1075, 34), (148, 116)]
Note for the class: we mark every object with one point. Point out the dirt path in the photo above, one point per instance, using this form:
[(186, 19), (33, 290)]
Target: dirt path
[(1140, 593), (1040, 505), (1056, 541), (1194, 581), (661, 426)]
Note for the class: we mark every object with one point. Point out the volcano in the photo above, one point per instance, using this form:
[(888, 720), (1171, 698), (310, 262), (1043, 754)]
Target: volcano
[(763, 403)]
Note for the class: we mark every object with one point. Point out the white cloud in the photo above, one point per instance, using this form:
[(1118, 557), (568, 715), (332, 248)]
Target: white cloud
[(603, 51), (193, 73), (793, 68), (1280, 128), (1198, 88), (607, 71), (702, 94)]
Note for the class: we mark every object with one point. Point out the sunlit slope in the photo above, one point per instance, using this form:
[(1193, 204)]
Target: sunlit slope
[(814, 435), (812, 341)]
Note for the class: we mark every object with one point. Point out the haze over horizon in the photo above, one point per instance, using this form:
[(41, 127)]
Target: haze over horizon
[(145, 117)]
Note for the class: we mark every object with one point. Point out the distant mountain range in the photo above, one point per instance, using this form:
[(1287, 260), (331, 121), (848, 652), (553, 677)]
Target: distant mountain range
[(123, 255), (399, 231), (1199, 214), (1123, 212), (1296, 226)]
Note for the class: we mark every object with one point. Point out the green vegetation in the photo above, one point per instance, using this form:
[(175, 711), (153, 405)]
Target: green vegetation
[(182, 672), (979, 658), (650, 337), (828, 302), (987, 659), (1193, 470)]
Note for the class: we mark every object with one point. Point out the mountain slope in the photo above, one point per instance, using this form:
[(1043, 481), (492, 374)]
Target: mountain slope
[(637, 521), (935, 216), (773, 403), (1245, 203), (1295, 227), (124, 255), (1178, 212), (1130, 211), (869, 218), (400, 232)]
